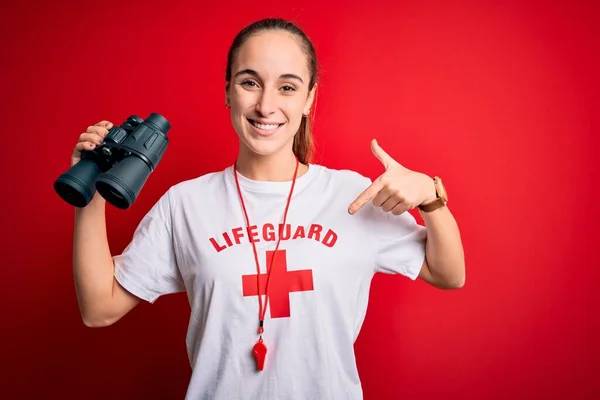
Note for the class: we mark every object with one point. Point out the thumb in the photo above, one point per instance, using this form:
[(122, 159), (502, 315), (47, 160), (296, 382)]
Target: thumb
[(381, 155), (105, 124)]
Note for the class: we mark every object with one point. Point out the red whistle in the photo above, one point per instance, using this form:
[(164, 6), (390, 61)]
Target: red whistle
[(260, 351)]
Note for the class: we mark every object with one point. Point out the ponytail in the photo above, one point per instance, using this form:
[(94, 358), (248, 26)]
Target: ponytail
[(304, 145)]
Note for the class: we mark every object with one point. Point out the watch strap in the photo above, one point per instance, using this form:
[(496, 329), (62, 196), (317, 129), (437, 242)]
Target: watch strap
[(440, 201), (434, 205)]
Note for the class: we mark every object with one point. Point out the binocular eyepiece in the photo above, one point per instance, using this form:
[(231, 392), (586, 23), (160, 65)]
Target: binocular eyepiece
[(120, 166)]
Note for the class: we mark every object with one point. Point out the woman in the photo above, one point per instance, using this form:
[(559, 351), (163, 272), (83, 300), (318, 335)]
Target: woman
[(276, 254)]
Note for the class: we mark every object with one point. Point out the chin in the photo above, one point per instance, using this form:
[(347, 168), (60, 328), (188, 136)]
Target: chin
[(262, 147)]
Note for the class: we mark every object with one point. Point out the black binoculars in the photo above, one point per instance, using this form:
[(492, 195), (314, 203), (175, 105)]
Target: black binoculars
[(120, 166)]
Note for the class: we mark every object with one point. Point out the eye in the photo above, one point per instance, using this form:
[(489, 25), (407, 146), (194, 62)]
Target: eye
[(249, 83), (288, 88)]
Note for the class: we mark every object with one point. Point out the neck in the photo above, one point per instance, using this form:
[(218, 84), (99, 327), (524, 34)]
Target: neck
[(273, 168)]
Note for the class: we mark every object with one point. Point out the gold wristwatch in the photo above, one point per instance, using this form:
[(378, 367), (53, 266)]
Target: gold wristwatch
[(441, 197)]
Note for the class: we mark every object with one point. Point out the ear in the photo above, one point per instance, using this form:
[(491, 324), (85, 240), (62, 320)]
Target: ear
[(310, 99)]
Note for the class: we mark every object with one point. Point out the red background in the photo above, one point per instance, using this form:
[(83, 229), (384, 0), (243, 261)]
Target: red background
[(500, 99)]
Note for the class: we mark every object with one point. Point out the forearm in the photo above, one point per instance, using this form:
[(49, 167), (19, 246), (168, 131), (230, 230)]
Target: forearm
[(93, 267), (444, 250)]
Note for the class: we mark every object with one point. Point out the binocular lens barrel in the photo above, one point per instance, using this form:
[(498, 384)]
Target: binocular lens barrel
[(120, 167), (121, 185), (159, 122), (76, 186)]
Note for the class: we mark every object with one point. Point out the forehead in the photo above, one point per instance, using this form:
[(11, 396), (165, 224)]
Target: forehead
[(272, 53)]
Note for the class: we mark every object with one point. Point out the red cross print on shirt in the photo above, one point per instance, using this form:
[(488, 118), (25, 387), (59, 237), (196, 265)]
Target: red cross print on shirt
[(281, 283)]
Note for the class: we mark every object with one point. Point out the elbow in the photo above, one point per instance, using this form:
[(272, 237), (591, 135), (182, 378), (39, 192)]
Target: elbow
[(448, 284), (460, 276), (456, 281), (96, 320), (97, 323), (459, 281)]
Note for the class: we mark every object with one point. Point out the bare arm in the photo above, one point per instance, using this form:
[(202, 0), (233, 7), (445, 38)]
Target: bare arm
[(444, 265), (102, 301), (398, 190)]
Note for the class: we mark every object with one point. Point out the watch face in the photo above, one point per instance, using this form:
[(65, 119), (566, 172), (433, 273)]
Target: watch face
[(441, 190)]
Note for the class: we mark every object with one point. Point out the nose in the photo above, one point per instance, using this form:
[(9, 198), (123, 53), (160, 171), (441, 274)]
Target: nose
[(266, 103)]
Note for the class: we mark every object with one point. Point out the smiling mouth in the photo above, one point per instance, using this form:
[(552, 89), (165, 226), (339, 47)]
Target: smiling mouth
[(264, 127)]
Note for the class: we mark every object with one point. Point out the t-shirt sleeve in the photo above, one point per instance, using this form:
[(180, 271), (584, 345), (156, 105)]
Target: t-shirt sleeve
[(147, 267), (399, 243)]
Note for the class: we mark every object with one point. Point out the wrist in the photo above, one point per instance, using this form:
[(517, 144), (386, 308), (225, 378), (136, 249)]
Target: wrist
[(97, 203), (430, 191), (440, 197)]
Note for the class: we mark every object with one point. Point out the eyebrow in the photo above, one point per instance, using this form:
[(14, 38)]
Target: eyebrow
[(255, 74)]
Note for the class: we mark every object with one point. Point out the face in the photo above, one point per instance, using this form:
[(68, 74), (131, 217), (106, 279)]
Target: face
[(269, 92)]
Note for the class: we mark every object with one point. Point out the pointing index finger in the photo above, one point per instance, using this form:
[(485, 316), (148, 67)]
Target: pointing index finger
[(365, 196)]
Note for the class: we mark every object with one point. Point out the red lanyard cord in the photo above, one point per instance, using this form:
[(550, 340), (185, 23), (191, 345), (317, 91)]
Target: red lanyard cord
[(263, 310)]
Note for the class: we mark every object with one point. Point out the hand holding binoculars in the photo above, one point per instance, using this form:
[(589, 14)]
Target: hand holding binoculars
[(120, 166)]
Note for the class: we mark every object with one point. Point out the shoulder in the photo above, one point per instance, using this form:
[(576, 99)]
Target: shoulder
[(203, 183), (346, 178), (341, 181), (193, 190)]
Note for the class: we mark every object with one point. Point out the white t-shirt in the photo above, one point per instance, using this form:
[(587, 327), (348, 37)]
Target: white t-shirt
[(194, 239)]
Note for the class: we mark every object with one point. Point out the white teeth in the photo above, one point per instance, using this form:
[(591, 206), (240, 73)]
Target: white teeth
[(265, 127)]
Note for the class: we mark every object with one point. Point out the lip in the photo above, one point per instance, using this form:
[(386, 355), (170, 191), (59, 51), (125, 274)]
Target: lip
[(262, 132), (262, 121)]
